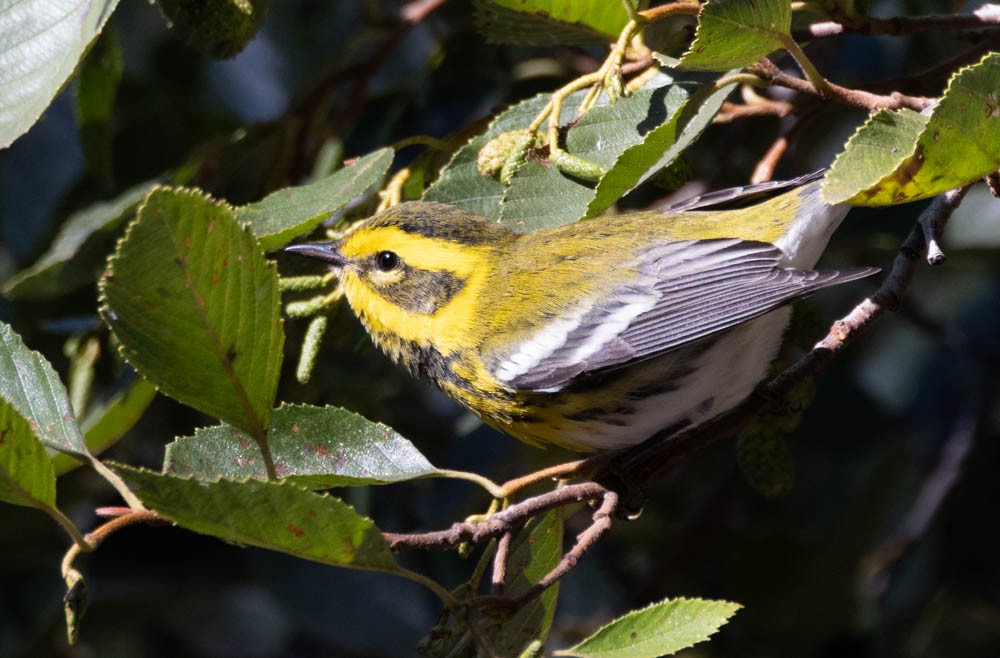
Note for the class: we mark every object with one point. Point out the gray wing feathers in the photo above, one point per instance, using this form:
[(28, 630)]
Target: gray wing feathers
[(690, 291)]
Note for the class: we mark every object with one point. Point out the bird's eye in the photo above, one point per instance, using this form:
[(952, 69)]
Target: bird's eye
[(386, 261)]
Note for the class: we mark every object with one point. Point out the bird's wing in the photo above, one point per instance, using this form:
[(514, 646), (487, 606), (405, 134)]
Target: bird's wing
[(685, 291), (742, 196)]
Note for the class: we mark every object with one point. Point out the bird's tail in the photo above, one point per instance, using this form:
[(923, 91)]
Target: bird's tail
[(790, 214)]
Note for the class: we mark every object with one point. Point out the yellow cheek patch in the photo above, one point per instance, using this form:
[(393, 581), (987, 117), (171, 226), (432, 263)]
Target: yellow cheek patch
[(451, 327)]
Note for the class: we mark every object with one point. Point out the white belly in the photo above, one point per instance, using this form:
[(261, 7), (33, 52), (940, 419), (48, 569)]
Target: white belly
[(696, 383)]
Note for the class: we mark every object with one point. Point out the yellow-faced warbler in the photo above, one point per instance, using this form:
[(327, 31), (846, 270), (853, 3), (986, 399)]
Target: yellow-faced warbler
[(593, 335)]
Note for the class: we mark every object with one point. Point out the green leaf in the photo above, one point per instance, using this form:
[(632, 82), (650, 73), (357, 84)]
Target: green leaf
[(549, 22), (658, 630), (530, 202), (96, 88), (104, 426), (535, 551), (43, 42), (735, 33), (316, 447), (79, 251), (26, 476), (196, 307), (904, 156), (881, 145), (280, 516), (295, 211), (659, 147), (632, 139), (460, 183), (30, 385), (217, 28)]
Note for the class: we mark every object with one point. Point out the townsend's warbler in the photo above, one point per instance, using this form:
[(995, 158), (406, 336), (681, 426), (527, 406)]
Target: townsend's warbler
[(593, 335)]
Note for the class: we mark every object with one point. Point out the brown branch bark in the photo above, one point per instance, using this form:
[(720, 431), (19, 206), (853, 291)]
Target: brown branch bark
[(986, 17), (600, 526), (768, 72), (502, 522)]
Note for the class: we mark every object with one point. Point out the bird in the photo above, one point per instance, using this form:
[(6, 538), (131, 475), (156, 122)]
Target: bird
[(594, 335)]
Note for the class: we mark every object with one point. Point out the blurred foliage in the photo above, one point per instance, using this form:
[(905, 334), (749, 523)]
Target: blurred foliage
[(883, 545)]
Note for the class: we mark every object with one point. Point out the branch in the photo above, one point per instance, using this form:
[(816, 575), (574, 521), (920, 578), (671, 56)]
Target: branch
[(931, 80), (987, 16), (764, 170), (767, 71), (502, 522), (601, 524)]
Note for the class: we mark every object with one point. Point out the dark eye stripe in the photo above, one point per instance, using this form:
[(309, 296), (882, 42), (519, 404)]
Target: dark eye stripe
[(422, 291)]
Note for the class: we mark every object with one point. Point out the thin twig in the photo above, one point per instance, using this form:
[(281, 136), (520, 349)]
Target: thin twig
[(671, 9), (987, 16), (771, 74), (575, 468), (499, 577), (791, 129), (601, 524), (504, 521), (764, 171), (732, 111)]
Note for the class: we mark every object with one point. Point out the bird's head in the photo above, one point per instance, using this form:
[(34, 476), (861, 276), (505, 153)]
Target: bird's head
[(405, 269)]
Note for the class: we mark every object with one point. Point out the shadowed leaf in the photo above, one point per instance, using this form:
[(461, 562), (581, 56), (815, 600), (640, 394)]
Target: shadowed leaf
[(196, 307), (26, 476), (280, 516)]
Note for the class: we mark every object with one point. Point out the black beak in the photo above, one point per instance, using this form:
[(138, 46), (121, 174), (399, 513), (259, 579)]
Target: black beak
[(326, 252)]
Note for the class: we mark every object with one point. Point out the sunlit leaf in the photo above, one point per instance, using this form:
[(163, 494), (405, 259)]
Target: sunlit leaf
[(658, 630), (295, 211), (659, 147), (460, 183), (317, 447), (41, 42), (735, 33), (549, 22), (900, 156)]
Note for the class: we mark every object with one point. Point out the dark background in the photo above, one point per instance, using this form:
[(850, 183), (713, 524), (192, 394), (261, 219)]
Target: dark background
[(885, 546)]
